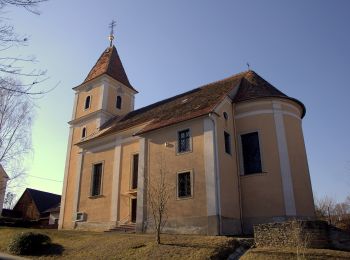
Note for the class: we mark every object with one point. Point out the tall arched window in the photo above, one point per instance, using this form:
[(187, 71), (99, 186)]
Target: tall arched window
[(119, 102), (83, 132), (87, 102)]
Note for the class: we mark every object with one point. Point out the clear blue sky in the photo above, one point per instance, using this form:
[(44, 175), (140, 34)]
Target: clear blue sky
[(168, 47)]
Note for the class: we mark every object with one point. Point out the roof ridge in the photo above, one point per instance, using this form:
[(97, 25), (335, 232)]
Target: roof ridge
[(157, 103), (43, 191)]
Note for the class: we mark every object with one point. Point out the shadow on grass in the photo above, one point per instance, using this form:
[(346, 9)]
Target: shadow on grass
[(48, 250), (53, 249)]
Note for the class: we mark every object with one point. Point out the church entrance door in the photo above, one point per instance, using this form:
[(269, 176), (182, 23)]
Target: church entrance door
[(133, 210)]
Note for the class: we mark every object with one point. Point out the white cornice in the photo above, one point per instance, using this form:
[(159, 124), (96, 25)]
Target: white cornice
[(101, 79), (88, 117)]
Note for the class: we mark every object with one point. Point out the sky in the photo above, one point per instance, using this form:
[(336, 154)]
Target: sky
[(169, 47)]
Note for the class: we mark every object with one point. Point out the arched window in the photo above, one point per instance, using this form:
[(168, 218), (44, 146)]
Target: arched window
[(87, 102), (119, 102), (83, 132)]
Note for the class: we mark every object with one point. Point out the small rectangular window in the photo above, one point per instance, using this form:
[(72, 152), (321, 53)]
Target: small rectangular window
[(96, 179), (184, 186), (227, 142), (135, 170), (184, 141), (251, 153)]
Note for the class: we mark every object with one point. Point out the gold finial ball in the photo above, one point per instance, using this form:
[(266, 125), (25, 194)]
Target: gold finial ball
[(111, 37)]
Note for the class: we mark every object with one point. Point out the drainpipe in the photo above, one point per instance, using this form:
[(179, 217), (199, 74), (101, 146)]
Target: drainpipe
[(238, 171), (217, 174)]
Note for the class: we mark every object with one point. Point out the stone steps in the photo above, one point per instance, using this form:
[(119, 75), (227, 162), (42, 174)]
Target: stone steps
[(123, 228)]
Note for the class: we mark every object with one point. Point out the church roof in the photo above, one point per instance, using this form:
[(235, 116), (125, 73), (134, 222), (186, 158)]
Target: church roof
[(194, 103), (109, 63)]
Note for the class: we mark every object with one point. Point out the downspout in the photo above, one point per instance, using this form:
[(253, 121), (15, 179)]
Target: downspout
[(238, 171), (217, 174)]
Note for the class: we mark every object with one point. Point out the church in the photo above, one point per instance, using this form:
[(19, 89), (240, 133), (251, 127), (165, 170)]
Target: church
[(233, 152)]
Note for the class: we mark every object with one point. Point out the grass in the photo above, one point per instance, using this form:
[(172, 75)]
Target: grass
[(95, 245), (285, 253)]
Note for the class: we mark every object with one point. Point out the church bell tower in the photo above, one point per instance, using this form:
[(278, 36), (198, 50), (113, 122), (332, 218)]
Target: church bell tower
[(104, 94)]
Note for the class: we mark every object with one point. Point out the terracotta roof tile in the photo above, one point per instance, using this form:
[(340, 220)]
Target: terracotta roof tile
[(109, 63), (253, 87), (194, 103)]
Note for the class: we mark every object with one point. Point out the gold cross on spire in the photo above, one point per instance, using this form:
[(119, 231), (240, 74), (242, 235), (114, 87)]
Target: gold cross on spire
[(111, 35)]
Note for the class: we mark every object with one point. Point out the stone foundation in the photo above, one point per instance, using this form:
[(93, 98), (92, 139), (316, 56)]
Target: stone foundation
[(301, 233), (94, 226), (199, 225)]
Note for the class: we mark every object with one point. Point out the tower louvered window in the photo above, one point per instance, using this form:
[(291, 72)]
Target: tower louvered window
[(87, 102)]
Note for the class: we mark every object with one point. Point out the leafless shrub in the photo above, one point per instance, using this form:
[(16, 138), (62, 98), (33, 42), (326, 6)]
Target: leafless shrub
[(158, 195), (300, 238)]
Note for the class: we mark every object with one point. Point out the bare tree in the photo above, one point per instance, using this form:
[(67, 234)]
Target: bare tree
[(300, 238), (159, 190), (16, 92), (14, 67), (341, 210), (9, 200), (16, 113), (347, 201), (325, 208)]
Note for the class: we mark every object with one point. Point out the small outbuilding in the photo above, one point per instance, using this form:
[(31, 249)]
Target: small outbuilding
[(34, 204)]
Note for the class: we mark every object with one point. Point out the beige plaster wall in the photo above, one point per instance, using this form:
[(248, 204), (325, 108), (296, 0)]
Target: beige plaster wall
[(229, 194), (95, 94), (167, 158), (126, 95), (68, 222), (97, 208), (262, 194), (299, 167), (128, 150)]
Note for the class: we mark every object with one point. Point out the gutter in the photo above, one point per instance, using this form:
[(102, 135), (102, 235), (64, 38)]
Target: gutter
[(238, 172)]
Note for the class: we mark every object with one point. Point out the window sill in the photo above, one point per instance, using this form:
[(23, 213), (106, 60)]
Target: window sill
[(184, 198), (253, 174), (96, 196), (182, 153)]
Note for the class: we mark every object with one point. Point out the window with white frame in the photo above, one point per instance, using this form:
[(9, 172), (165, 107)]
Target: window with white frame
[(184, 141), (96, 181), (251, 153), (184, 184)]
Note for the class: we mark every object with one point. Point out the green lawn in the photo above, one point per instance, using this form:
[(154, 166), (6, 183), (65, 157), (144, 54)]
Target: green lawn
[(95, 245)]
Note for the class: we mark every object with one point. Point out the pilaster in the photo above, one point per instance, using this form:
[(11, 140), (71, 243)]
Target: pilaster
[(79, 170), (115, 184), (141, 186), (287, 182)]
